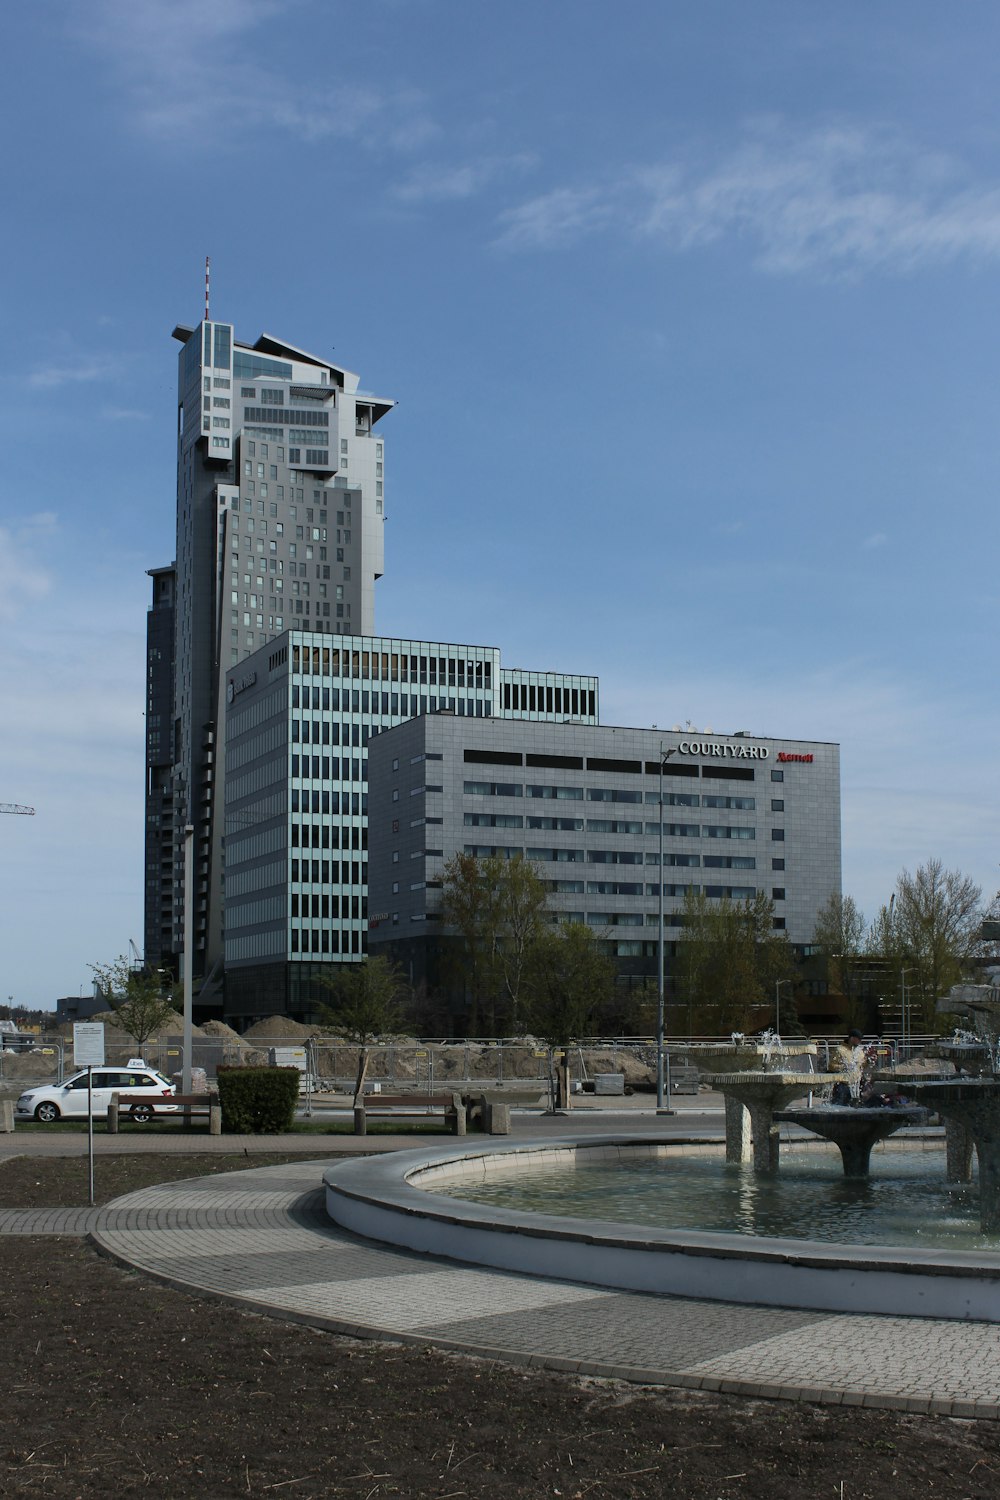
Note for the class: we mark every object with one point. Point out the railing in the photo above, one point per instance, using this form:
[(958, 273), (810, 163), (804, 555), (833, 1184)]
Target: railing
[(438, 1065)]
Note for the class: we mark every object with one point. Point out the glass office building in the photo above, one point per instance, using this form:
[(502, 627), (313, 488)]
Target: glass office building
[(301, 717)]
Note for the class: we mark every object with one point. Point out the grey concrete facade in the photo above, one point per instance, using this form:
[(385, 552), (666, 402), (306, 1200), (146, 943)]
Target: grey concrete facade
[(742, 815), (158, 927)]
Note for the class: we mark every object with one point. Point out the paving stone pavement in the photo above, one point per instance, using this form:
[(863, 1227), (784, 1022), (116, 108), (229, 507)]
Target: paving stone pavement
[(260, 1239)]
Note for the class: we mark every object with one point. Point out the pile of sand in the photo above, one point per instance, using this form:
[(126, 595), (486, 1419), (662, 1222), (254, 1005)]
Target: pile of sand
[(277, 1029)]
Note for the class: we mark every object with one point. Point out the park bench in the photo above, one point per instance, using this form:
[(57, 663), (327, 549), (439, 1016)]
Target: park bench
[(448, 1105), (137, 1105)]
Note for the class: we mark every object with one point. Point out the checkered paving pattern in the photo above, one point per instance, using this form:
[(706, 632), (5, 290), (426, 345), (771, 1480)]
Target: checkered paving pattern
[(261, 1239)]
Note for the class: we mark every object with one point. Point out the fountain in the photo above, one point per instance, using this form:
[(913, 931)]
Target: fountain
[(754, 1094), (855, 1129), (399, 1199), (971, 1105)]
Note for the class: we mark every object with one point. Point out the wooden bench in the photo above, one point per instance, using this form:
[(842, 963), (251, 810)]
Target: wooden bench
[(136, 1106), (448, 1105)]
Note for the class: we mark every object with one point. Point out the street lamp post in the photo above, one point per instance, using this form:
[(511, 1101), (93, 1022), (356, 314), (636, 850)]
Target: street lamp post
[(905, 1017), (661, 956), (188, 957)]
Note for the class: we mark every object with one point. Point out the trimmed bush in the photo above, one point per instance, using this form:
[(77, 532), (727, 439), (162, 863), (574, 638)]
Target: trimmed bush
[(258, 1101)]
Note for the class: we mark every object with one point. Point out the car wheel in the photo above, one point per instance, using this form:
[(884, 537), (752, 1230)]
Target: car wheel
[(47, 1112), (141, 1113)]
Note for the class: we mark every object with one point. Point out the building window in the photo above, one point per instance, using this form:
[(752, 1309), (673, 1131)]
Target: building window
[(778, 893), (778, 835), (777, 864), (777, 775), (777, 804)]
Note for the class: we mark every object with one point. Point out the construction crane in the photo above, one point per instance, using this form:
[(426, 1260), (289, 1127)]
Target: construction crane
[(15, 807)]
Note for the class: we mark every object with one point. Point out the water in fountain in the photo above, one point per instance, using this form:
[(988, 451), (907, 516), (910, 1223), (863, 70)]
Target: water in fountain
[(905, 1201)]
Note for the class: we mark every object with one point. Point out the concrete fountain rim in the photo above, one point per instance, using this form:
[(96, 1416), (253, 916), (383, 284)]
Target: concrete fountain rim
[(381, 1198)]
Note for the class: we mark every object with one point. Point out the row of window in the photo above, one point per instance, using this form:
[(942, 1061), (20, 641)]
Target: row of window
[(606, 825), (392, 666), (326, 940), (609, 857), (726, 772), (631, 888), (549, 698), (614, 794), (336, 872), (326, 904)]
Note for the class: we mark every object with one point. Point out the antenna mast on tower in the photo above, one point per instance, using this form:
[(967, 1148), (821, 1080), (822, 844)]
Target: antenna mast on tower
[(208, 267)]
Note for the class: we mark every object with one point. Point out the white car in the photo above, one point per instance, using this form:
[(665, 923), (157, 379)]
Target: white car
[(69, 1100)]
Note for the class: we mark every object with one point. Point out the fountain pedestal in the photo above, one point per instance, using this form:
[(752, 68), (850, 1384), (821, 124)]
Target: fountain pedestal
[(974, 1106), (854, 1131), (758, 1095)]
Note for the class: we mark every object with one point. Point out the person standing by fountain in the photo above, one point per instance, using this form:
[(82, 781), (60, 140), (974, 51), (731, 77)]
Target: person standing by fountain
[(852, 1060)]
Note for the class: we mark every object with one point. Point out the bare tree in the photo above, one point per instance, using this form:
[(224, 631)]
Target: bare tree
[(936, 926), (367, 1006), (839, 935)]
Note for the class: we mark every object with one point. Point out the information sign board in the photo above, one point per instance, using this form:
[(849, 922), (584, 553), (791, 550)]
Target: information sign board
[(88, 1044)]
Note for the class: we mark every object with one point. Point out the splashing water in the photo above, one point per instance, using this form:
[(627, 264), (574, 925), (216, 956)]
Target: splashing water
[(772, 1048)]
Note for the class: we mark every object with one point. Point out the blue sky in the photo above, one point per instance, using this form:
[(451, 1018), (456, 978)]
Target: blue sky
[(690, 311)]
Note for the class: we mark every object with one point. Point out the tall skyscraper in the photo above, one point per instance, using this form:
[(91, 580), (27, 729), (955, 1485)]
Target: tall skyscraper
[(280, 476)]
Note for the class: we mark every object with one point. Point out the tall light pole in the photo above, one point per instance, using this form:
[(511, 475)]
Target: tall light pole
[(661, 955), (905, 1018), (188, 959)]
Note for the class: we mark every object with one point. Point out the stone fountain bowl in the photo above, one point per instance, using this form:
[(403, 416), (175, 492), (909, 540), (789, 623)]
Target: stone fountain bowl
[(746, 1056), (972, 1058)]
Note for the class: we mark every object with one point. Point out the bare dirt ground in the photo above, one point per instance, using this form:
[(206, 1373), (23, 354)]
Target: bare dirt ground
[(113, 1385)]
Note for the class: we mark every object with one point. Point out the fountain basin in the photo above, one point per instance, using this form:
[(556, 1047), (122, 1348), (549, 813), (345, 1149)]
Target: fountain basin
[(854, 1129), (393, 1199), (747, 1055)]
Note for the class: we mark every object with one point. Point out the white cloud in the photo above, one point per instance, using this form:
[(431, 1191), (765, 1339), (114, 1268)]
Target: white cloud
[(435, 183), (188, 72), (124, 414), (834, 200), (22, 580), (69, 370), (877, 539), (557, 218)]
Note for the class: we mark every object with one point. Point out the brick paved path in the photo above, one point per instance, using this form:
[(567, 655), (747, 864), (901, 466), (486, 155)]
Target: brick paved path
[(261, 1240)]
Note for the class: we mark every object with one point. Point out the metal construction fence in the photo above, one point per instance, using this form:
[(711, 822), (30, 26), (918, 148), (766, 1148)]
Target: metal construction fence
[(425, 1066)]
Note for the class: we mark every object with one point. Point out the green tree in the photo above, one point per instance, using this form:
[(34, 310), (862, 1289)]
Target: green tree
[(496, 906), (716, 966), (466, 901), (839, 935), (730, 961), (567, 980), (367, 1007), (143, 1002)]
